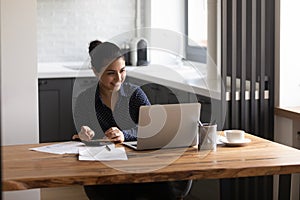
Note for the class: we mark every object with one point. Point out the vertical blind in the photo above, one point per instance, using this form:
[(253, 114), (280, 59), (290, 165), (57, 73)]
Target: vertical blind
[(248, 63)]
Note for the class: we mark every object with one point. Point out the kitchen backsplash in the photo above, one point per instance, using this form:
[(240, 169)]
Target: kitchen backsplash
[(65, 27)]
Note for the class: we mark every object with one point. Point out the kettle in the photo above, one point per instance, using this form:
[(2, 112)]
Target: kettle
[(139, 55)]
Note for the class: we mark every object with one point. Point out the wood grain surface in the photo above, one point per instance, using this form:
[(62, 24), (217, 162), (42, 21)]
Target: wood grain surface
[(288, 112), (24, 169)]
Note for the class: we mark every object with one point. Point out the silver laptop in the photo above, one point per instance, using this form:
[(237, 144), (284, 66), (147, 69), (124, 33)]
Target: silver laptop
[(167, 126)]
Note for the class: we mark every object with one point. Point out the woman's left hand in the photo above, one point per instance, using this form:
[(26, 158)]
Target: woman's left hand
[(114, 134)]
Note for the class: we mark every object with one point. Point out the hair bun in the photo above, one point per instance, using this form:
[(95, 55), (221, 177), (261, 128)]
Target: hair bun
[(93, 44), (103, 54)]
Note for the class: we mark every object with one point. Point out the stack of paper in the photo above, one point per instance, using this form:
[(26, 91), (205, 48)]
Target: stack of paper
[(61, 148), (102, 153), (92, 153)]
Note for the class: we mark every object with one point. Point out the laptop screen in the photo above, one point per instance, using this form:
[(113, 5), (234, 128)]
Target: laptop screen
[(168, 125)]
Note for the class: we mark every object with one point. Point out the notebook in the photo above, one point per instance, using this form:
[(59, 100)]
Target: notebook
[(167, 126)]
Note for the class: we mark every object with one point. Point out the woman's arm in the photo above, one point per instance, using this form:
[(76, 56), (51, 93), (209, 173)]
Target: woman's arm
[(137, 99), (84, 114)]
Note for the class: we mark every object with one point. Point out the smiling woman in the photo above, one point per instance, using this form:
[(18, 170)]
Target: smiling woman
[(110, 109)]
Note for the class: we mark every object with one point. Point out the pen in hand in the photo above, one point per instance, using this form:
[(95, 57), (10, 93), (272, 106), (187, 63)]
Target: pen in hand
[(107, 147)]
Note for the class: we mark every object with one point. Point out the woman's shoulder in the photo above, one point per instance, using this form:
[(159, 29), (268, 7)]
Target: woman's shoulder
[(130, 87), (136, 93)]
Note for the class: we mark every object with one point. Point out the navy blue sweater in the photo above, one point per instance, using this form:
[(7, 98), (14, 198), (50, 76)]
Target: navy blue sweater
[(90, 111)]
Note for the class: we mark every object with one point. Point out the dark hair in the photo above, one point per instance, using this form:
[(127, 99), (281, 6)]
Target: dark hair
[(93, 44), (103, 54)]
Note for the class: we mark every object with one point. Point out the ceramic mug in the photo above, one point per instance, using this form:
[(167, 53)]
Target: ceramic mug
[(233, 136)]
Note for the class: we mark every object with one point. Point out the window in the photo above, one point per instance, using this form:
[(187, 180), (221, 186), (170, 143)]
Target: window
[(196, 30)]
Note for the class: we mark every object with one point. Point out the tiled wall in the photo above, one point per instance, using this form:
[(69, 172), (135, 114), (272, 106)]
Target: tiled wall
[(65, 27)]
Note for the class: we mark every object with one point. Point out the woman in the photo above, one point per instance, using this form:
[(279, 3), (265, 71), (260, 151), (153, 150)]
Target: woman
[(110, 109)]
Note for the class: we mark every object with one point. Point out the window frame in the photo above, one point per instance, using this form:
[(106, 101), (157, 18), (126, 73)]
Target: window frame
[(193, 53)]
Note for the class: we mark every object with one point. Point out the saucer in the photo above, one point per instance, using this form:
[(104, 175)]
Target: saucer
[(236, 143)]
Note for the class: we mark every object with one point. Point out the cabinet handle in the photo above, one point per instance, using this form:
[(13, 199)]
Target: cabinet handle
[(298, 132), (43, 82)]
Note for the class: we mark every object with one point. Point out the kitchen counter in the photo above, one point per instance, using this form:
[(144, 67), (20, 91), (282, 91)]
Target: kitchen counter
[(186, 78), (63, 70)]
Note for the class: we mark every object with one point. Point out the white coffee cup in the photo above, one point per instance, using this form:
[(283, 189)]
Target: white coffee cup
[(234, 135)]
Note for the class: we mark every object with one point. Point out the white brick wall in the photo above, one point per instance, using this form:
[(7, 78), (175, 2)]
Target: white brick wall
[(65, 27)]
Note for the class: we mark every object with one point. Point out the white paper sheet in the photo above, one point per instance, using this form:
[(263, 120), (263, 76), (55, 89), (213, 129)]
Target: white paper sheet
[(102, 153), (71, 147)]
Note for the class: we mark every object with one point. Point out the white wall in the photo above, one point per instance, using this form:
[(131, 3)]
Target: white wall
[(289, 89), (66, 27), (19, 110)]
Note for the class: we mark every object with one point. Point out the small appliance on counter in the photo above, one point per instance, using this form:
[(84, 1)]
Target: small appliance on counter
[(139, 55), (126, 53)]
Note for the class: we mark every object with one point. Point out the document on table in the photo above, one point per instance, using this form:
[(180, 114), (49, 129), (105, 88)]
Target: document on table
[(71, 147), (102, 153)]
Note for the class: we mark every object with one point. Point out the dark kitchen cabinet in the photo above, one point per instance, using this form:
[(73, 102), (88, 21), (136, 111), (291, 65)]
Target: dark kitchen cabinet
[(55, 106), (55, 110), (160, 94)]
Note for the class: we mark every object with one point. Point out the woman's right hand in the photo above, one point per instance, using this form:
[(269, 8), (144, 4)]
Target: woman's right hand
[(86, 133)]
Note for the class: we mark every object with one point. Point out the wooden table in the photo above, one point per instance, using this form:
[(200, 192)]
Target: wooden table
[(288, 112), (289, 184), (24, 169)]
